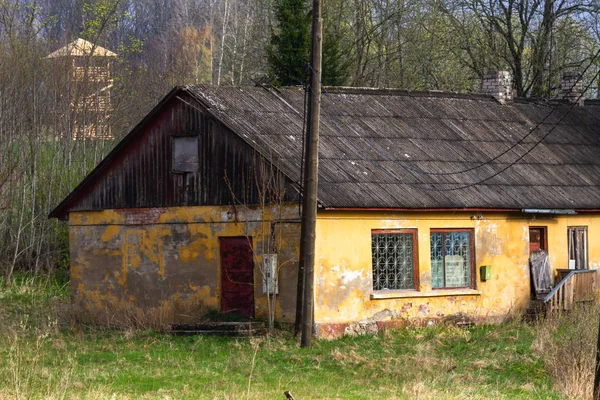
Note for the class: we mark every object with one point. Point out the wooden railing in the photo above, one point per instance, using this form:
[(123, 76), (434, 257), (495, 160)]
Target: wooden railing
[(578, 285)]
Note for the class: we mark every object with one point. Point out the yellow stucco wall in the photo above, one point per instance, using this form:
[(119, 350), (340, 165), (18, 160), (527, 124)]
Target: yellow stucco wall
[(159, 266), (162, 265), (343, 271)]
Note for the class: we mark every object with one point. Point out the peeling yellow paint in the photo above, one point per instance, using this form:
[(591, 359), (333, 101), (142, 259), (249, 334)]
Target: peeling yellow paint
[(343, 273), (110, 233), (125, 262), (192, 251), (178, 258), (170, 264)]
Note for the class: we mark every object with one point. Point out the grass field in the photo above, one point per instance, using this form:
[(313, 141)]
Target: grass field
[(43, 356)]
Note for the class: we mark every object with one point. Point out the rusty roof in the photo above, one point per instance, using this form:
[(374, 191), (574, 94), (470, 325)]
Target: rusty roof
[(395, 149), (384, 148)]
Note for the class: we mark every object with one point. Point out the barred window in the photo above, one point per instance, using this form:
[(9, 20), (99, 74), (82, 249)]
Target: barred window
[(394, 259), (452, 261)]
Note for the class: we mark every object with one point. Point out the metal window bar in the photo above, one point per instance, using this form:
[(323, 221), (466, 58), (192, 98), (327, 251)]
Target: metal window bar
[(393, 261)]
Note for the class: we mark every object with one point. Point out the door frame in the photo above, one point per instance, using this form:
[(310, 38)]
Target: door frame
[(543, 237)]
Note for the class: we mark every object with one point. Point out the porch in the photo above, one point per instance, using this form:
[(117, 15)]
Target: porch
[(574, 286)]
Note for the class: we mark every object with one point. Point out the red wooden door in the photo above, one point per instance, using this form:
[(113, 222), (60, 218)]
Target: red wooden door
[(237, 276)]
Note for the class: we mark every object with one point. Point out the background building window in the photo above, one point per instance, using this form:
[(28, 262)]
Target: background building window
[(451, 259), (185, 154), (394, 259), (577, 247)]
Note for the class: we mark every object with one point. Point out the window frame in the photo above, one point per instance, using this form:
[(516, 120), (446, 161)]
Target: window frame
[(543, 237), (415, 241), (471, 232), (586, 248), (174, 168)]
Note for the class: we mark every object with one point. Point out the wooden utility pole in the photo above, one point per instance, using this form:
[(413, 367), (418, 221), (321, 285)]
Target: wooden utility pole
[(300, 285), (309, 201), (596, 395)]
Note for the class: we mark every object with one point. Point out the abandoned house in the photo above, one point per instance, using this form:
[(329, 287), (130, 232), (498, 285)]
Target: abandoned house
[(430, 204)]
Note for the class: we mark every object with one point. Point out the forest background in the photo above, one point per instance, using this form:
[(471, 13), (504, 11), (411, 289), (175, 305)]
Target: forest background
[(409, 44)]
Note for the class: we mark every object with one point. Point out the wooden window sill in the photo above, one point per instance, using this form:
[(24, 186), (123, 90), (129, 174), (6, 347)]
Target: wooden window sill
[(401, 294)]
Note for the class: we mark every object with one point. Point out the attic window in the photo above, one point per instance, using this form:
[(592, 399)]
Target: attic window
[(185, 153)]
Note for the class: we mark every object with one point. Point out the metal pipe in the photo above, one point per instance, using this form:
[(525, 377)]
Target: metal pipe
[(556, 211)]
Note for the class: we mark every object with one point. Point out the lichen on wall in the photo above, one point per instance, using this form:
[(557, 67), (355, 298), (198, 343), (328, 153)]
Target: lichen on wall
[(160, 266)]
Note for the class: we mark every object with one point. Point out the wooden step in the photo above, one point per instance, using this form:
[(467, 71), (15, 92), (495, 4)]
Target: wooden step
[(233, 329), (537, 309)]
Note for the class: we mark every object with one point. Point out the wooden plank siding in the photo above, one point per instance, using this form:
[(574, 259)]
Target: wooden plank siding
[(140, 175), (379, 149)]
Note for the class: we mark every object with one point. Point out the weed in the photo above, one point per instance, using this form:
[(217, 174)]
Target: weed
[(40, 357), (566, 342)]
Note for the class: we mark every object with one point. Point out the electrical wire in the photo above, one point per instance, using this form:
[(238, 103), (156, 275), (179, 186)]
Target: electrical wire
[(430, 188), (382, 154)]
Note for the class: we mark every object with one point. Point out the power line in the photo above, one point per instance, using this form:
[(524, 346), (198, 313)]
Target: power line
[(422, 187), (519, 142)]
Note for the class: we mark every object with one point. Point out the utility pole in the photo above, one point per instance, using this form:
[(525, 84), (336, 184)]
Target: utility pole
[(309, 201), (596, 395)]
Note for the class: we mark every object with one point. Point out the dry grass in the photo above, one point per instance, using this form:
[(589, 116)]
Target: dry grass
[(567, 344), (42, 357)]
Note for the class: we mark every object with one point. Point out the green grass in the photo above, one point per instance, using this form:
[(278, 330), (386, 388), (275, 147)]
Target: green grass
[(42, 356)]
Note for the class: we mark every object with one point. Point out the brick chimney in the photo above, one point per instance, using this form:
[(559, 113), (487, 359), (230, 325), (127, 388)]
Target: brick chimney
[(570, 89), (499, 85)]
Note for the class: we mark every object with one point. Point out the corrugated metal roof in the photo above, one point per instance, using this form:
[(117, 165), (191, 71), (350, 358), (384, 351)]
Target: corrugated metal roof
[(374, 144)]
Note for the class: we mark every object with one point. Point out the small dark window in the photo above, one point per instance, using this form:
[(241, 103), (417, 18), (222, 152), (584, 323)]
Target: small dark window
[(538, 238), (185, 154)]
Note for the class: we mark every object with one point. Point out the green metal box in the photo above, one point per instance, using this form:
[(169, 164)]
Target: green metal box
[(486, 272)]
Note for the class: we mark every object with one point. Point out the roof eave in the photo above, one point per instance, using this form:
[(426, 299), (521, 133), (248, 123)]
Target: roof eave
[(556, 211), (61, 210), (424, 209)]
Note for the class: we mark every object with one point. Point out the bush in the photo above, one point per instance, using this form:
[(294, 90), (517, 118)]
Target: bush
[(566, 342)]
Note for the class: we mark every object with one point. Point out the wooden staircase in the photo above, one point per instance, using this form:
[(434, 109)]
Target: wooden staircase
[(575, 286)]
